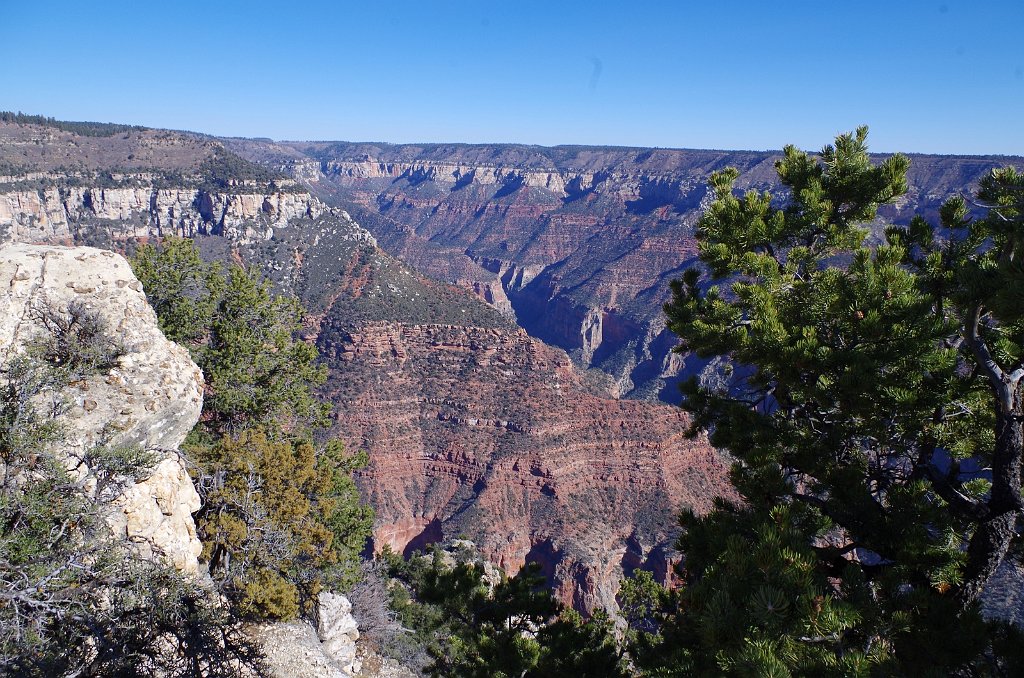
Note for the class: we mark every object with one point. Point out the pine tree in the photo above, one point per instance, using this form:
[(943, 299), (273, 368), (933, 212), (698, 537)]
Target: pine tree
[(511, 628), (240, 333), (281, 517), (867, 384), (258, 373)]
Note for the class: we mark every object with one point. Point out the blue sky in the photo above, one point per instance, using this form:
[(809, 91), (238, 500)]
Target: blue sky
[(945, 76)]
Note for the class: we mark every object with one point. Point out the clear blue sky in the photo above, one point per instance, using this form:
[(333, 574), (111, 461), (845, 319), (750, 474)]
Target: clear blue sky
[(943, 76)]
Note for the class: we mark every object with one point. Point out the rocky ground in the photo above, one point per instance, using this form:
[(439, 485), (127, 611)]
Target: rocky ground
[(334, 650)]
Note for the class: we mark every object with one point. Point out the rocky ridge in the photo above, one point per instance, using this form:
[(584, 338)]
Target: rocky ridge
[(120, 182)]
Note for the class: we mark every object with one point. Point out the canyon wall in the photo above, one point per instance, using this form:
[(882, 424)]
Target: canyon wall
[(473, 428), (580, 242), (75, 213), (487, 433)]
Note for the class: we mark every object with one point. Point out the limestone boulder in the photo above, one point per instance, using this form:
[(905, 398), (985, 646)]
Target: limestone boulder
[(338, 630)]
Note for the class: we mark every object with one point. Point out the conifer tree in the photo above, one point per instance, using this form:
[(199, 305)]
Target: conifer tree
[(281, 518), (873, 408), (509, 628)]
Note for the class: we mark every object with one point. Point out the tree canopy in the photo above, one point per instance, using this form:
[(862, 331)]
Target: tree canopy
[(480, 627), (873, 407)]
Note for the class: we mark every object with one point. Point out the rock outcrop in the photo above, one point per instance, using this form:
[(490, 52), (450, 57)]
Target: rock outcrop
[(489, 434), (69, 213), (332, 650), (338, 630), (152, 398)]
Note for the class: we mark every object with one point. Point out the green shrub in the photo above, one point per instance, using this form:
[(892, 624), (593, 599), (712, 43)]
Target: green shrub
[(281, 517), (75, 598)]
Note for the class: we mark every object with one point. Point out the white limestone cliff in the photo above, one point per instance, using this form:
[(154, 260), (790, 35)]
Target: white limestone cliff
[(152, 398), (55, 214)]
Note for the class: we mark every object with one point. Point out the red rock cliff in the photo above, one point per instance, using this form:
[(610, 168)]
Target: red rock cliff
[(492, 435)]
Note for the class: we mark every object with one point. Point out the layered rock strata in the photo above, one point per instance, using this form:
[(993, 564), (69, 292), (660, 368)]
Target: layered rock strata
[(65, 214), (473, 428), (492, 435), (152, 398), (580, 242)]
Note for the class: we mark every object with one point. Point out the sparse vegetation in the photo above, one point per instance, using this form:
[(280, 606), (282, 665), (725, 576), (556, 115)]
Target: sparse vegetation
[(85, 129), (224, 171), (74, 598)]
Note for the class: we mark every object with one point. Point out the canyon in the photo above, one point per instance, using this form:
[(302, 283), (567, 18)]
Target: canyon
[(473, 427), (490, 315), (578, 244), (477, 430)]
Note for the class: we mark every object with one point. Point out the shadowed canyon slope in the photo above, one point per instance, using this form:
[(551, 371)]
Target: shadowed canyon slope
[(579, 243), (474, 428)]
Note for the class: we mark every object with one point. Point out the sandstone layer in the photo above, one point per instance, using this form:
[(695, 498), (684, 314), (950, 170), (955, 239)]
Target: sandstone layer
[(152, 398)]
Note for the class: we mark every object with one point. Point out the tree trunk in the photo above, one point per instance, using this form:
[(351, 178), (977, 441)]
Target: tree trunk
[(994, 534)]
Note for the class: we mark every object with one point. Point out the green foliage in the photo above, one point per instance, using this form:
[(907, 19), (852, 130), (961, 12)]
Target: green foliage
[(240, 334), (281, 521), (225, 171), (853, 399), (183, 289), (257, 372), (76, 598), (281, 517), (85, 129), (511, 628), (647, 607)]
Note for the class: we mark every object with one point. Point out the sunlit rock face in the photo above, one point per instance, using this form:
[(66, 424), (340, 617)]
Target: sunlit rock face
[(67, 215), (152, 398)]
